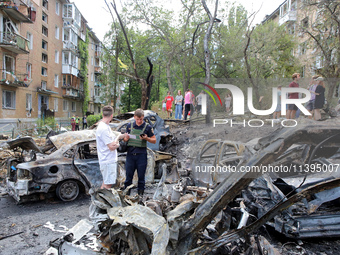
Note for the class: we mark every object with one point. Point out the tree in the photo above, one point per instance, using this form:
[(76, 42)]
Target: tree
[(323, 30)]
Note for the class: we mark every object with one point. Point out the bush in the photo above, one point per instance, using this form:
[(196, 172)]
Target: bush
[(92, 119)]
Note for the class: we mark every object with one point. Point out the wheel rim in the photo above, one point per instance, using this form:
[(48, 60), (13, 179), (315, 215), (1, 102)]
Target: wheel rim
[(68, 190)]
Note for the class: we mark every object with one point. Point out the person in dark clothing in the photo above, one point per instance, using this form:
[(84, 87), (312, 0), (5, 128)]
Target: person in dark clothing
[(319, 98), (138, 133), (84, 122)]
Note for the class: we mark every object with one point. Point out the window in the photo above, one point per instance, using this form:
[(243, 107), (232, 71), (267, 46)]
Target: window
[(304, 23), (56, 56), (56, 80), (302, 49), (44, 58), (67, 11), (66, 35), (44, 31), (98, 109), (45, 4), (43, 85), (44, 45), (44, 71), (57, 32), (66, 58), (8, 99), (65, 105), (44, 17), (29, 37), (57, 8), (28, 102), (66, 80), (96, 91), (92, 61), (73, 106), (29, 70), (55, 104), (91, 76)]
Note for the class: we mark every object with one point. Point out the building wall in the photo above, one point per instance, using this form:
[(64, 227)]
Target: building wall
[(54, 91)]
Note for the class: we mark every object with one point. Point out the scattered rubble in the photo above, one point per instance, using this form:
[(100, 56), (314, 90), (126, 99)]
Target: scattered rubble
[(224, 214)]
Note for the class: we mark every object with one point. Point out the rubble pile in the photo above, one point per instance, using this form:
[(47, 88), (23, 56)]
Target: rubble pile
[(230, 212)]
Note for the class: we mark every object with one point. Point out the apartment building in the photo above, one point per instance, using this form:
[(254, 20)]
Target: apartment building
[(299, 16), (315, 27), (40, 60)]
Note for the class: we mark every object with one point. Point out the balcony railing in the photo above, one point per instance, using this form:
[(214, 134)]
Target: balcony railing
[(289, 16), (17, 11), (14, 80), (14, 42), (97, 69)]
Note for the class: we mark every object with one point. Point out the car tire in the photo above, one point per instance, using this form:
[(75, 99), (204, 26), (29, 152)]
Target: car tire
[(67, 190)]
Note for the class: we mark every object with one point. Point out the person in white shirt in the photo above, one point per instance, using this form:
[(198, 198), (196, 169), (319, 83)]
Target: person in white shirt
[(107, 149)]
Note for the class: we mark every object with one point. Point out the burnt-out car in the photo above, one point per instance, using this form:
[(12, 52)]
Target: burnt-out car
[(70, 169), (161, 131)]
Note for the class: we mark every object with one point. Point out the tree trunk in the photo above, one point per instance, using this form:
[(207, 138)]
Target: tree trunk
[(207, 51), (168, 73)]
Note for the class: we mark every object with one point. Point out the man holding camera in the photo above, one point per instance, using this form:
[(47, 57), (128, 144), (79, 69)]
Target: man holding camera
[(138, 133)]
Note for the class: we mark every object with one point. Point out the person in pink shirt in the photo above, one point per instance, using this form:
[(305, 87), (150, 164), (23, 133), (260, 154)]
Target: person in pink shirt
[(187, 103)]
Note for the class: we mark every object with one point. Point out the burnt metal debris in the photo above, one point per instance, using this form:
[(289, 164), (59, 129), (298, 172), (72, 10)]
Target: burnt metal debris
[(224, 213), (68, 164)]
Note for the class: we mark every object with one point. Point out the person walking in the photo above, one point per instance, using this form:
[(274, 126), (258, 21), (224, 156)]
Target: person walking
[(178, 105), (227, 101), (138, 133), (73, 123), (107, 149), (77, 123), (319, 98), (188, 104), (169, 99), (292, 108), (310, 104), (84, 122)]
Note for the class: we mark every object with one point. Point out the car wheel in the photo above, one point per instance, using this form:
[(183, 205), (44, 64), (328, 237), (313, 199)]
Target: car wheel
[(67, 190)]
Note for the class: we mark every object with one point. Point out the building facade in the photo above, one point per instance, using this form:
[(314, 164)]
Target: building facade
[(39, 48)]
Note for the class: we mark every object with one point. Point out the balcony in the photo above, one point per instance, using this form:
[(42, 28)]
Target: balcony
[(70, 69), (71, 93), (14, 80), (14, 42), (98, 53), (97, 100), (98, 69), (288, 16), (68, 45), (20, 13)]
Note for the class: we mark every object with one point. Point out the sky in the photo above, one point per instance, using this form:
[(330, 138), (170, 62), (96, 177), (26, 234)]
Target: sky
[(99, 18)]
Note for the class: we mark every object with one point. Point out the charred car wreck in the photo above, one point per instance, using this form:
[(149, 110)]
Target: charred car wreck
[(225, 218), (67, 165)]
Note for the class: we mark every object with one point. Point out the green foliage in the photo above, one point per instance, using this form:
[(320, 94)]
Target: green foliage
[(92, 119), (84, 56), (50, 121)]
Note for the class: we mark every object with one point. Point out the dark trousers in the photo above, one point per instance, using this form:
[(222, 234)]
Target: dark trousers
[(136, 161), (187, 108), (77, 126), (84, 125)]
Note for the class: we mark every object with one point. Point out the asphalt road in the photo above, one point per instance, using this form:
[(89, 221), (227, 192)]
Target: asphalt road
[(30, 219)]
